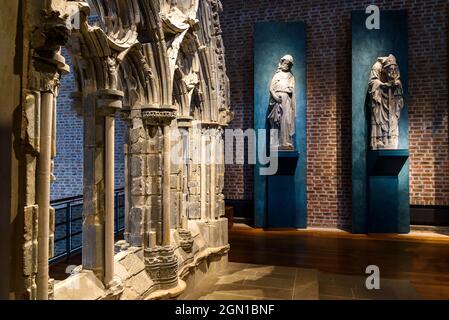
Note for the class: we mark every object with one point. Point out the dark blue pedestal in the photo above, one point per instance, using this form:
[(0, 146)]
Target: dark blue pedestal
[(386, 212), (281, 195), (280, 199)]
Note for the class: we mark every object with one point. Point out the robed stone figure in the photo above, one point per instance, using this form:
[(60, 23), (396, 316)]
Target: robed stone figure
[(385, 103), (282, 106)]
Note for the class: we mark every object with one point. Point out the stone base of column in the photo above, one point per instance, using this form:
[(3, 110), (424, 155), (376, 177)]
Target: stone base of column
[(160, 272), (51, 289), (93, 248), (161, 264)]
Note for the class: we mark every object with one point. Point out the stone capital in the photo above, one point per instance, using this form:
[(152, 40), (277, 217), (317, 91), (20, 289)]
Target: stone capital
[(109, 102), (158, 116), (225, 116), (184, 121), (46, 70)]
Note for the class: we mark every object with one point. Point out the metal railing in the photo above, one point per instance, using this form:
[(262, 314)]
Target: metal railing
[(69, 223)]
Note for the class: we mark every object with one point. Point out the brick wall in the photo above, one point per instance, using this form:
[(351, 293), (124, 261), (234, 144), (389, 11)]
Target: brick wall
[(69, 143), (329, 97)]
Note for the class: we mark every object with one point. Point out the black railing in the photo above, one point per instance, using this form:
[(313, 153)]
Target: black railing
[(69, 223)]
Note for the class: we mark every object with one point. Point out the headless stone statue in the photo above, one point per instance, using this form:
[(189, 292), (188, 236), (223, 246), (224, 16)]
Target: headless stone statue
[(385, 103), (282, 106)]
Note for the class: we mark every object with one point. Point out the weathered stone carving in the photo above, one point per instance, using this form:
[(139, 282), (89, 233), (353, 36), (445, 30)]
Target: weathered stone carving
[(282, 106), (162, 66), (162, 266), (185, 240), (48, 32), (158, 116), (385, 103)]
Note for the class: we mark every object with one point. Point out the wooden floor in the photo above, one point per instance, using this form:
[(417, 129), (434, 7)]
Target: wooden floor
[(423, 260)]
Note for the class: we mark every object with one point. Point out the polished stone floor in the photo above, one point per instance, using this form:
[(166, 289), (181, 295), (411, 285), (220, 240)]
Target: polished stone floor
[(345, 287), (323, 264), (255, 282), (260, 282)]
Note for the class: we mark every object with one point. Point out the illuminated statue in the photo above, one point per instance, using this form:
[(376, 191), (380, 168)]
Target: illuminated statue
[(385, 103), (282, 106)]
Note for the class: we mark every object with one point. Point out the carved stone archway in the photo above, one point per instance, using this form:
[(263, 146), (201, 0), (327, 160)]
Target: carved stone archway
[(149, 61)]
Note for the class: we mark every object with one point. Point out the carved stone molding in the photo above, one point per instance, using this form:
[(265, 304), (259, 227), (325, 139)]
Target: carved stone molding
[(161, 265), (154, 116), (185, 122), (226, 116), (109, 101), (185, 240), (205, 125), (44, 77), (52, 31)]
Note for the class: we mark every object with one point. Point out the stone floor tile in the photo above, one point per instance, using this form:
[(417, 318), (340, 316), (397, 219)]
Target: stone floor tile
[(260, 292), (306, 292), (270, 282), (331, 290)]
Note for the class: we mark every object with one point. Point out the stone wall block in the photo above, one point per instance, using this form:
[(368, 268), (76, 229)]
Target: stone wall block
[(175, 181), (138, 186), (138, 147), (30, 237), (155, 202), (138, 200), (154, 164), (136, 219), (153, 186), (135, 134), (138, 166)]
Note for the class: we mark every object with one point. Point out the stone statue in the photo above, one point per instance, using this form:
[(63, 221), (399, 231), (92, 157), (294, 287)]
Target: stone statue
[(282, 106), (111, 63), (385, 103)]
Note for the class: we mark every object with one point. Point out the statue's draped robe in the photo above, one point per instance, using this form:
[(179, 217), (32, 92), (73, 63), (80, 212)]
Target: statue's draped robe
[(386, 104), (282, 115)]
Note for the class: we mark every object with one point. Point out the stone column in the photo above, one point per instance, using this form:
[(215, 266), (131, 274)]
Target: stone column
[(185, 126), (166, 211), (109, 188), (98, 215), (213, 176), (93, 204), (127, 179), (137, 174), (194, 175), (43, 194), (44, 79), (160, 260), (163, 117), (220, 173), (203, 175)]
